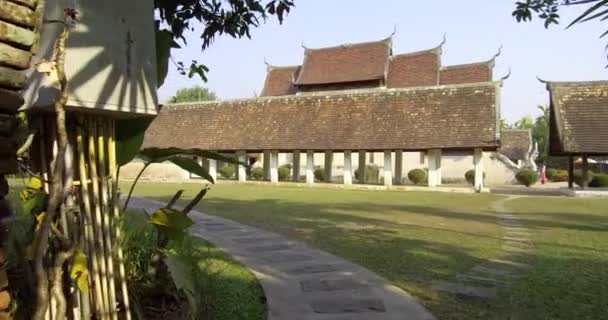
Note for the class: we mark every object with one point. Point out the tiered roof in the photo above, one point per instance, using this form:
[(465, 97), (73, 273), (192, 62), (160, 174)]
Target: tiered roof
[(579, 118), (371, 64)]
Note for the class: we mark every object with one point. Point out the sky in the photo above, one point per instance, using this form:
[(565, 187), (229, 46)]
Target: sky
[(475, 30)]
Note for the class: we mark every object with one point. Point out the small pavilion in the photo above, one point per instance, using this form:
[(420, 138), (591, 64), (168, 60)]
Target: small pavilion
[(351, 98), (578, 122)]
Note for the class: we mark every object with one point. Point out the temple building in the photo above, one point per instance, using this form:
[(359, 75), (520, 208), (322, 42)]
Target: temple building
[(350, 106)]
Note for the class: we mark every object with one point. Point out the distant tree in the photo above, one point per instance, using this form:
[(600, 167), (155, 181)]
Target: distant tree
[(548, 11), (194, 94), (524, 123), (540, 134)]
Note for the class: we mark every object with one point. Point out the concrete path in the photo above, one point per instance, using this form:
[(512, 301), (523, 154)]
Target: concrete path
[(302, 283), (484, 280)]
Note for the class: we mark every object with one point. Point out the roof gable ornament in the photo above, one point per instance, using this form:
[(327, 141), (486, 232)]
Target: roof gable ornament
[(268, 65), (505, 77), (545, 82)]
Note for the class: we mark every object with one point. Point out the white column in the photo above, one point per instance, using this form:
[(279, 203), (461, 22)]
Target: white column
[(388, 168), (348, 168), (295, 174), (212, 169), (310, 167), (439, 174), (432, 166), (329, 163), (361, 168), (478, 164), (241, 172), (398, 167), (266, 161), (274, 166)]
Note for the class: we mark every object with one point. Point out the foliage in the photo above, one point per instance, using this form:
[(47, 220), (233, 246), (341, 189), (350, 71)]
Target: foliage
[(580, 180), (599, 180), (193, 94), (320, 174), (557, 175), (469, 176), (209, 18), (527, 177), (417, 176), (548, 11), (257, 173), (227, 171), (372, 173), (284, 172)]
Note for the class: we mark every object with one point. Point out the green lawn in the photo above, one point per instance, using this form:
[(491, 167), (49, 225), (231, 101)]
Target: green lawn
[(412, 238)]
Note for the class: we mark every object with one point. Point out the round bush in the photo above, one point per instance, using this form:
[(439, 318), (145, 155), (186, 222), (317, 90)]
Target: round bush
[(527, 177), (470, 176), (557, 175), (227, 171), (284, 173), (600, 180), (257, 173), (417, 176), (578, 178), (320, 174)]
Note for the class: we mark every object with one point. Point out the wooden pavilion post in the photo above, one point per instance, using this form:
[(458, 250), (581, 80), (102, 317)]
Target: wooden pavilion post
[(571, 171)]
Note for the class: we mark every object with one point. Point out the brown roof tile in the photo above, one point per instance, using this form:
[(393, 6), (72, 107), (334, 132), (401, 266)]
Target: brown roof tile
[(345, 63), (515, 143), (451, 117), (414, 69), (467, 73), (279, 81), (579, 117)]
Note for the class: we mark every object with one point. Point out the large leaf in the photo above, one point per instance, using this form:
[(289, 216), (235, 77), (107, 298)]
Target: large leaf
[(129, 138), (193, 167), (171, 219), (163, 154), (181, 271)]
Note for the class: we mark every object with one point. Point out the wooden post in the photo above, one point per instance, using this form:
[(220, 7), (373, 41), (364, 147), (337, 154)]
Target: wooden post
[(213, 168), (439, 173), (478, 164), (310, 167), (362, 164), (348, 168), (266, 161), (388, 168), (585, 171), (329, 162), (432, 168), (295, 174), (274, 166), (570, 171), (398, 167)]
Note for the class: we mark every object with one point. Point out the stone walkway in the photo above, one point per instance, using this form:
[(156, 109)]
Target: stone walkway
[(484, 280), (302, 283)]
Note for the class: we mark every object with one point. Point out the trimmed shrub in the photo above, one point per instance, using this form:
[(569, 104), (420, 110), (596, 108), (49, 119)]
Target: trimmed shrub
[(578, 178), (557, 175), (527, 177), (320, 174), (284, 172), (257, 173), (287, 165), (227, 171), (470, 176), (372, 173), (417, 176), (600, 180)]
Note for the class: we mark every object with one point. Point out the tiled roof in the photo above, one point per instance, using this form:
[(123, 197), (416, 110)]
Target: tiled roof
[(467, 73), (450, 117), (414, 69), (279, 81), (579, 117), (345, 63), (515, 143)]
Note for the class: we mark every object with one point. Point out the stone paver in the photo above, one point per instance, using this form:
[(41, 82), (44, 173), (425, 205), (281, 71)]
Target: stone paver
[(485, 279), (302, 283)]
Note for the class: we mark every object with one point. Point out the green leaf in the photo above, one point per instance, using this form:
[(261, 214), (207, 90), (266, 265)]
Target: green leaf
[(164, 42), (130, 135), (164, 154), (35, 203), (589, 11), (193, 167), (171, 219), (181, 271), (80, 272)]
